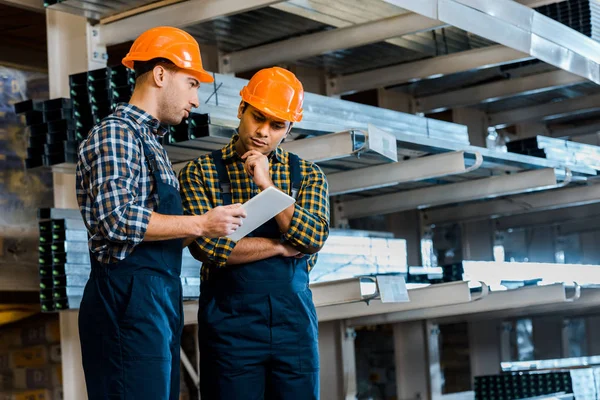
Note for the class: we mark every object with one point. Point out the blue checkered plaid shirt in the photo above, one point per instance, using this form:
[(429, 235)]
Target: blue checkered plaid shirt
[(115, 188)]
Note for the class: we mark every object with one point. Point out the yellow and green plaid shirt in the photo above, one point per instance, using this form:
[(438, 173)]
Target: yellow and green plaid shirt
[(200, 191)]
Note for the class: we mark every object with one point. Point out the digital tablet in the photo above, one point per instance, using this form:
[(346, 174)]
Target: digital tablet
[(260, 209)]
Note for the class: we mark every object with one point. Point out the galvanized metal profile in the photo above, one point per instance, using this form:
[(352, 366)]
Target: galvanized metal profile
[(425, 69), (325, 114), (327, 41), (498, 91), (550, 200), (179, 15), (418, 169), (421, 299), (328, 147), (348, 298), (478, 189), (577, 105), (495, 304), (518, 27)]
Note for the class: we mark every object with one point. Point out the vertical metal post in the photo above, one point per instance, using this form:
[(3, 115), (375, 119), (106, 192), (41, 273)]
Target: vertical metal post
[(72, 48)]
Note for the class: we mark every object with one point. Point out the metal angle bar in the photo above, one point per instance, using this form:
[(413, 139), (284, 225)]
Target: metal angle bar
[(346, 291), (544, 111), (417, 169), (477, 189), (553, 200), (420, 299), (179, 15), (323, 42), (494, 302), (498, 90), (328, 147), (435, 67)]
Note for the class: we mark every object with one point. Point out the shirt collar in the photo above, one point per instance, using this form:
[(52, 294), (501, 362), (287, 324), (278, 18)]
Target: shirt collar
[(141, 117), (229, 152)]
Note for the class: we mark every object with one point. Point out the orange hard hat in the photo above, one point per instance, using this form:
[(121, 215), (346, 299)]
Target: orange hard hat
[(277, 92), (175, 45)]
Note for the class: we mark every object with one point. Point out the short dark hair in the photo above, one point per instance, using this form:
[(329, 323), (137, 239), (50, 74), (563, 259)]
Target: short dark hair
[(142, 67)]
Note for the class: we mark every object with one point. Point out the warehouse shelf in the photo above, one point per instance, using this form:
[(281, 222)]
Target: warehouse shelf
[(344, 299), (529, 300)]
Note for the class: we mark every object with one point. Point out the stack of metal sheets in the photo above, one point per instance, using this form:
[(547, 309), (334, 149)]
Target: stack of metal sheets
[(346, 255), (65, 261), (564, 151), (323, 114)]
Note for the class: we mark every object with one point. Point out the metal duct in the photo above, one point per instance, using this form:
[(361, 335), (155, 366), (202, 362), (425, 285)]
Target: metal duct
[(519, 27)]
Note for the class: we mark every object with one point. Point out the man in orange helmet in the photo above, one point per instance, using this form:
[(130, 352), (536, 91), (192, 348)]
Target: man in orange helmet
[(130, 318), (257, 322)]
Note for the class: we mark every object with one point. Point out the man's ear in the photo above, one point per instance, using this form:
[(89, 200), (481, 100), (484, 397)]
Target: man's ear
[(240, 109), (159, 73)]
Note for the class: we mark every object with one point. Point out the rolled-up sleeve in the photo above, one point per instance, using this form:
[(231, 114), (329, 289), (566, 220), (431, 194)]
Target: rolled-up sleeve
[(196, 201), (309, 227), (112, 160)]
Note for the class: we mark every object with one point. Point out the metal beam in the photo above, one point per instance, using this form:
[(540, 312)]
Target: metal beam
[(434, 67), (477, 189), (417, 169), (31, 5), (422, 298), (551, 200), (498, 90), (336, 300), (514, 25), (323, 148), (577, 105), (179, 15), (496, 303), (323, 42)]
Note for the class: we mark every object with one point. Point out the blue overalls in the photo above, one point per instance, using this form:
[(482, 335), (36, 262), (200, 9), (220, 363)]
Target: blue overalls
[(257, 323), (131, 315)]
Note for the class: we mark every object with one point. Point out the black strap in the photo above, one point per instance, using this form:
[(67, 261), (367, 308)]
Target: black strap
[(224, 181), (150, 156), (295, 174)]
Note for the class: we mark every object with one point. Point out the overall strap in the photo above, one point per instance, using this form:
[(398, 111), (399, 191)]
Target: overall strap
[(223, 177), (295, 174)]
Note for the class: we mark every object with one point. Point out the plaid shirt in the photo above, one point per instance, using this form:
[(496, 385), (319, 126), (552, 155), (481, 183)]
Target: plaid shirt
[(200, 191), (115, 188)]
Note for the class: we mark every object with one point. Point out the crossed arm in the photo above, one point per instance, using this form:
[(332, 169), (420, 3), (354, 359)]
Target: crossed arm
[(304, 226)]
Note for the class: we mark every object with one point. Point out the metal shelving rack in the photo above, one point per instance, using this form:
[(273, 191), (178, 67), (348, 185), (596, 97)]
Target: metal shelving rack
[(428, 169)]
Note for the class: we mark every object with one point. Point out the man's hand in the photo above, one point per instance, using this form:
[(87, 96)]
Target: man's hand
[(256, 165), (289, 251), (221, 221)]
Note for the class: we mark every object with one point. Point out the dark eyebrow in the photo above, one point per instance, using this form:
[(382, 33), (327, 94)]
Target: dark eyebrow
[(272, 121)]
